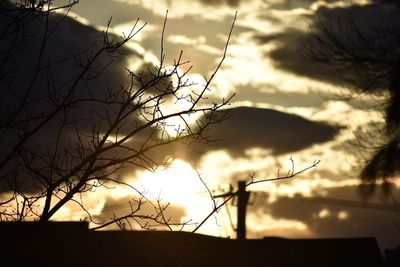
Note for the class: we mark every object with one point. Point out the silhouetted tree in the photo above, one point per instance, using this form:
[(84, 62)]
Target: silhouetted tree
[(66, 129), (361, 46)]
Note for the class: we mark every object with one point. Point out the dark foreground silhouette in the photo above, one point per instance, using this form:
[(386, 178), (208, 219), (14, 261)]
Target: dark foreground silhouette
[(71, 244)]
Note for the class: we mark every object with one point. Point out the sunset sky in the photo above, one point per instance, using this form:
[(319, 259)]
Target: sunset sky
[(284, 108)]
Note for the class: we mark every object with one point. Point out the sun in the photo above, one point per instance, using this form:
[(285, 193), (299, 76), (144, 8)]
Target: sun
[(177, 183), (180, 185)]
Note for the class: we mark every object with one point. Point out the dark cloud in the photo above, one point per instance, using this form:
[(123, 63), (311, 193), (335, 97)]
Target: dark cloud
[(392, 2), (282, 4), (69, 45), (288, 55), (39, 72), (247, 128), (233, 3), (290, 4), (365, 30), (358, 223), (269, 129), (359, 42)]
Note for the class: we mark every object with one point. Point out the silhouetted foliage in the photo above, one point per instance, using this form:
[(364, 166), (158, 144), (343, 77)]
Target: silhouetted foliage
[(360, 45)]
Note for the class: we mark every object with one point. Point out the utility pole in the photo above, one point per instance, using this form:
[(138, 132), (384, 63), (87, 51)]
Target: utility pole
[(243, 198)]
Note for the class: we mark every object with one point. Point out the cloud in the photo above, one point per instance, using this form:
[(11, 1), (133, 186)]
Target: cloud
[(233, 3), (287, 55), (216, 9), (68, 47), (291, 45), (329, 220), (269, 129), (391, 2), (248, 132), (37, 80), (98, 12), (276, 4), (274, 132), (271, 94)]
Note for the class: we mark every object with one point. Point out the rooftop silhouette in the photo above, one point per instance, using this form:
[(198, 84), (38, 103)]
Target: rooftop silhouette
[(72, 244)]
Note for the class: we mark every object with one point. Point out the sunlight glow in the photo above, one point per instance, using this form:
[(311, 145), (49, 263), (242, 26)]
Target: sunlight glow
[(343, 215), (324, 213), (182, 39), (180, 185), (176, 183)]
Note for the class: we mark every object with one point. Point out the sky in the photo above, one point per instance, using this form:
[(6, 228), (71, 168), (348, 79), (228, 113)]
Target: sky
[(284, 109)]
